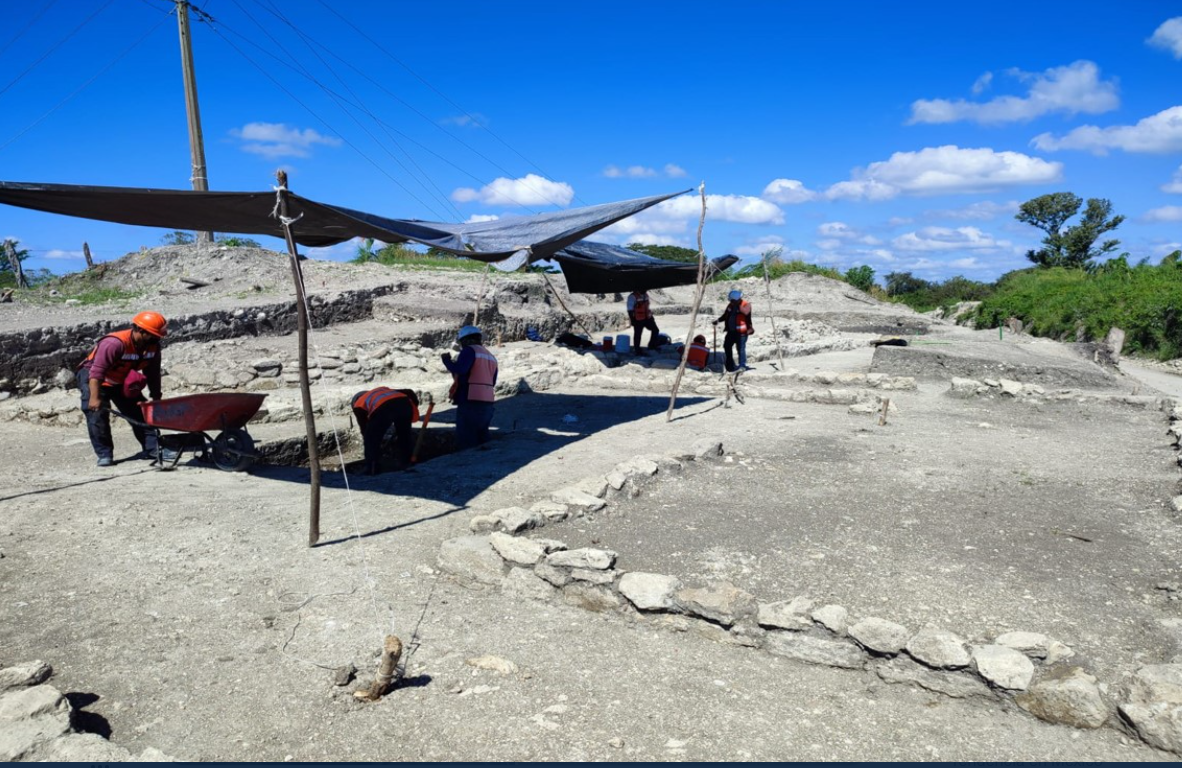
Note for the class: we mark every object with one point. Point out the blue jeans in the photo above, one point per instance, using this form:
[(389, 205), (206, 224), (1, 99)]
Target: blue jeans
[(472, 422), (735, 339)]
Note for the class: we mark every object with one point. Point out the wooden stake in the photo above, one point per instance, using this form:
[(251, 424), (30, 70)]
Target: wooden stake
[(305, 384), (767, 281), (86, 253), (562, 304), (886, 404), (414, 457), (697, 304), (386, 669)]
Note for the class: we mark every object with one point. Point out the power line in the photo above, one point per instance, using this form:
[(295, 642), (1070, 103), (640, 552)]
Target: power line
[(442, 95), (27, 26), (87, 84), (59, 44)]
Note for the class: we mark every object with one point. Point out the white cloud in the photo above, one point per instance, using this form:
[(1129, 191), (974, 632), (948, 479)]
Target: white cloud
[(763, 245), (651, 238), (898, 221), (631, 172), (477, 218), (985, 210), (1071, 89), (931, 239), (788, 192), (475, 120), (839, 232), (1157, 133), (528, 190), (57, 253), (274, 140), (1175, 185), (1169, 36), (643, 172), (944, 170), (1167, 213), (742, 209), (982, 84)]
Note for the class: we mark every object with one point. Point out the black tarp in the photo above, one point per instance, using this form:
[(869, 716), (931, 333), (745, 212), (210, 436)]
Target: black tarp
[(530, 238), (591, 267)]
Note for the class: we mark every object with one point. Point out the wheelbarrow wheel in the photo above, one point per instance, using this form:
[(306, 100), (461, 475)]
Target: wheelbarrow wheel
[(233, 450)]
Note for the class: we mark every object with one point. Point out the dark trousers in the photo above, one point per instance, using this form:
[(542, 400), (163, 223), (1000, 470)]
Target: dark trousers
[(638, 327), (98, 423), (472, 423), (393, 413), (735, 339)]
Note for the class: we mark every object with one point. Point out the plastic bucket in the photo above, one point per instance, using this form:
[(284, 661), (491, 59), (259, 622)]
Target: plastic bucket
[(608, 343), (623, 343)]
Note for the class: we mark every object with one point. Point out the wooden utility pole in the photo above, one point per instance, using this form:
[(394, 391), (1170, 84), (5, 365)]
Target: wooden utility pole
[(196, 143), (86, 253), (305, 385), (689, 335)]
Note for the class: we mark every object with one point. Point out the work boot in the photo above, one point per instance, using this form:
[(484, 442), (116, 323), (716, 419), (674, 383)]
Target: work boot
[(105, 461), (168, 455)]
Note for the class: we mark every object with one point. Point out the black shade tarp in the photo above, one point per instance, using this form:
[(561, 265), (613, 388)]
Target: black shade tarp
[(530, 238), (591, 267)]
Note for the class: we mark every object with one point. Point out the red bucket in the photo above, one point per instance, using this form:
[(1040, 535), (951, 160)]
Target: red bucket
[(608, 344)]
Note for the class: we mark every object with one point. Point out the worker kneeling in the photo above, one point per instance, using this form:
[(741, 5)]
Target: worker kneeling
[(697, 355), (377, 410)]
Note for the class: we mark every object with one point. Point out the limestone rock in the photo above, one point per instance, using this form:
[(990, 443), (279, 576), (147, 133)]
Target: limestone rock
[(958, 686), (650, 591), (550, 510), (964, 388), (1176, 503), (833, 618), (594, 559), (483, 524), (1157, 724), (523, 582), (880, 635), (590, 597), (492, 664), (559, 577), (516, 549), (83, 748), (790, 614), (516, 519), (815, 650), (616, 479), (594, 577), (1011, 387), (1003, 667), (472, 557), (1033, 644), (1068, 696), (1155, 684), (939, 649), (573, 497), (593, 486), (723, 603), (24, 675), (706, 448)]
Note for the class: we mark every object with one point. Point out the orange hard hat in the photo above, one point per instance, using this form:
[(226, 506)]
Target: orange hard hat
[(152, 322)]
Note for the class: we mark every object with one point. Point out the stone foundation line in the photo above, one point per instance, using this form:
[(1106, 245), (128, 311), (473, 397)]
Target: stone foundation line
[(1028, 669), (37, 724)]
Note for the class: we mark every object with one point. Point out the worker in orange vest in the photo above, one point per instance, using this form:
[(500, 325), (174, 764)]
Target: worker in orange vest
[(378, 409), (474, 387), (698, 355), (737, 319), (641, 314), (102, 377)]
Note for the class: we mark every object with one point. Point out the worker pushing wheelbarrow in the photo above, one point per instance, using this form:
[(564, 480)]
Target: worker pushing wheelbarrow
[(194, 416)]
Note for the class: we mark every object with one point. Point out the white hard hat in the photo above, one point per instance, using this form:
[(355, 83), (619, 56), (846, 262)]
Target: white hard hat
[(466, 331), (735, 295)]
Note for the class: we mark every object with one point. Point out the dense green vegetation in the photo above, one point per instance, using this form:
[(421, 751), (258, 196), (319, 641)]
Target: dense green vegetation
[(924, 296), (181, 237), (403, 256)]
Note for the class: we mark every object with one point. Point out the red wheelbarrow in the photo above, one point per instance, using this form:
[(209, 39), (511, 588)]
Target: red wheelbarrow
[(232, 450)]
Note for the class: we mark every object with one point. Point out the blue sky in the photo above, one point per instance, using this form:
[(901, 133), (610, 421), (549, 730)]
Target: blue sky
[(902, 136)]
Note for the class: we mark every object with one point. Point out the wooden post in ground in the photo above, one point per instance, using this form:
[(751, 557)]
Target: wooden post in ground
[(697, 305), (305, 385), (391, 652), (86, 253), (192, 109), (17, 270), (767, 281), (886, 405)]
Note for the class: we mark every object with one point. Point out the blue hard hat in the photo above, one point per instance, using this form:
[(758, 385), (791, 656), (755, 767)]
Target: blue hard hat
[(466, 331), (735, 295)]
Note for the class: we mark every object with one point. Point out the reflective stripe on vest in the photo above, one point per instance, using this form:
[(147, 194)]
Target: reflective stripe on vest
[(130, 361), (741, 315), (375, 398), (641, 311), (482, 378), (697, 356)]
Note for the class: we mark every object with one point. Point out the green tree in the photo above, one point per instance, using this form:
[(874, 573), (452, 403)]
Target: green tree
[(9, 249), (1069, 246), (234, 241), (901, 283), (179, 237), (666, 252), (861, 277)]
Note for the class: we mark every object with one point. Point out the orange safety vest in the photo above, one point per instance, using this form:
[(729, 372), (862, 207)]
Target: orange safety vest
[(131, 360), (741, 315), (697, 356), (641, 311), (375, 398), (483, 376)]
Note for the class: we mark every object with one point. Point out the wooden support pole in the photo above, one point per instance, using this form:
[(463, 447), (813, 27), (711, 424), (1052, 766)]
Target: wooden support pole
[(387, 667), (17, 270), (767, 281), (86, 253), (305, 384), (199, 178), (886, 406), (562, 304), (414, 457), (697, 305)]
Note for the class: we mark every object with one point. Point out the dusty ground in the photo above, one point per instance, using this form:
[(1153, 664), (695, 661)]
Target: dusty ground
[(189, 607)]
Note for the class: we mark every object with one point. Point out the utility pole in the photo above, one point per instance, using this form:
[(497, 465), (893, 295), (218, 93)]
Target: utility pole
[(196, 145)]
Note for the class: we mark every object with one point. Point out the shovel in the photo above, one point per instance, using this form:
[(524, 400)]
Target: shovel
[(414, 457)]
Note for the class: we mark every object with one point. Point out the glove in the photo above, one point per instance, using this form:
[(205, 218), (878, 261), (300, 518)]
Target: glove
[(446, 358)]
